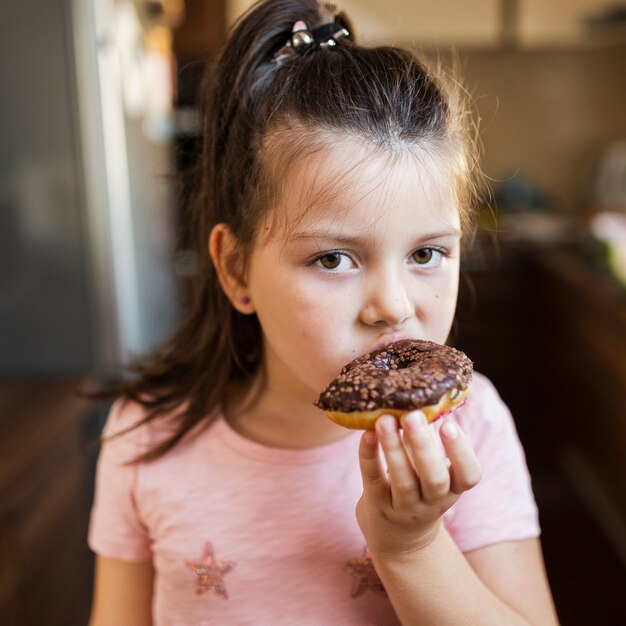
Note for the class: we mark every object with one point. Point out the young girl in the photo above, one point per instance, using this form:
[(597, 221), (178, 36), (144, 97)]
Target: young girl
[(332, 193)]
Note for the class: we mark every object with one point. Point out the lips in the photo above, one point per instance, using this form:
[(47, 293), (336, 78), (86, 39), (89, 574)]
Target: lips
[(385, 340)]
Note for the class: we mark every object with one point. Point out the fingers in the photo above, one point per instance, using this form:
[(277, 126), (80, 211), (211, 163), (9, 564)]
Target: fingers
[(431, 467), (402, 478), (374, 479), (465, 469), (416, 468)]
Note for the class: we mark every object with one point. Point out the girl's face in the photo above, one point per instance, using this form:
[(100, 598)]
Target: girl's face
[(372, 259)]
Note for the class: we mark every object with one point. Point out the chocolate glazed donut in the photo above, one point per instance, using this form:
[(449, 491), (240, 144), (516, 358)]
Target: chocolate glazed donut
[(396, 379)]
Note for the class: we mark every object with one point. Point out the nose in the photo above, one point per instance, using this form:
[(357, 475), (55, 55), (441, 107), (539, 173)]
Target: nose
[(388, 301)]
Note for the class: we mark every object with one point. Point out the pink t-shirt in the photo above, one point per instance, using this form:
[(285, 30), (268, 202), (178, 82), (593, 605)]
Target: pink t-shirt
[(240, 533)]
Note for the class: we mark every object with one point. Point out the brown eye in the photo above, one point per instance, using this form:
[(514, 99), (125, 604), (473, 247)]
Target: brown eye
[(423, 256), (330, 261)]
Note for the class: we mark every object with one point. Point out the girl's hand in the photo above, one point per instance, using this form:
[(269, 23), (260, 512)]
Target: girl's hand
[(400, 510)]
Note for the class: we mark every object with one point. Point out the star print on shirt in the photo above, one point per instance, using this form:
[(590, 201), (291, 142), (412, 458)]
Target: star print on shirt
[(210, 572), (364, 575)]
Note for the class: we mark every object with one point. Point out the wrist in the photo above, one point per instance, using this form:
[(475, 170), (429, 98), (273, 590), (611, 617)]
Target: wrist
[(408, 551)]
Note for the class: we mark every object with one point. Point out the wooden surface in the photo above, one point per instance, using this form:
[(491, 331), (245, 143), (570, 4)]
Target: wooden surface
[(44, 485), (584, 336), (202, 33), (549, 329)]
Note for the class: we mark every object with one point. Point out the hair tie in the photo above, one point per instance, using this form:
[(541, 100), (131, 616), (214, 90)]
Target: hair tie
[(303, 40)]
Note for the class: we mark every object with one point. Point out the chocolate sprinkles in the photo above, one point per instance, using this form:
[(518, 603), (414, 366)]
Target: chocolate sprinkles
[(406, 375)]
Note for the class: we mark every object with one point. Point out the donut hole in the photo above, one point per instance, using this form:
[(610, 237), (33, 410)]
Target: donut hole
[(393, 361), (422, 367)]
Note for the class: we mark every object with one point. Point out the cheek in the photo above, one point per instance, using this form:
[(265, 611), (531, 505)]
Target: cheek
[(317, 315), (300, 310), (317, 322), (447, 293), (442, 307)]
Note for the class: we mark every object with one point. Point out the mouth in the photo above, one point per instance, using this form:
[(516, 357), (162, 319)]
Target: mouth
[(385, 340)]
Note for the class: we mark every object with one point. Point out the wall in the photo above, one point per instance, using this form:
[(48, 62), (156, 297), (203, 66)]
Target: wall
[(44, 311), (547, 113)]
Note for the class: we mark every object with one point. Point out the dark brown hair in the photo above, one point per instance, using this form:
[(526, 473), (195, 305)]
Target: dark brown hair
[(383, 95)]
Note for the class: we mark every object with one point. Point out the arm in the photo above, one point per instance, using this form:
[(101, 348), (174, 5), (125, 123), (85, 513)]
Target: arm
[(499, 584), (122, 593), (515, 572), (427, 578)]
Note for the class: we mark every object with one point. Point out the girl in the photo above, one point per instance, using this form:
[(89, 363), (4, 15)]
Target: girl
[(330, 200)]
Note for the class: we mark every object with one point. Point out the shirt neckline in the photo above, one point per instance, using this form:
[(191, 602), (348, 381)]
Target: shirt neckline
[(284, 456)]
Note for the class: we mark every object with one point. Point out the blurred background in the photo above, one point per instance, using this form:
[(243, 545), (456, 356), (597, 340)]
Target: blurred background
[(97, 118)]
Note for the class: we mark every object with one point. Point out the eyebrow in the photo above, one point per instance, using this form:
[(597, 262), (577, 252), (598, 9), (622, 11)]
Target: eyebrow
[(355, 239)]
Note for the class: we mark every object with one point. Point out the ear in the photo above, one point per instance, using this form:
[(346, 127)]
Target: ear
[(228, 261)]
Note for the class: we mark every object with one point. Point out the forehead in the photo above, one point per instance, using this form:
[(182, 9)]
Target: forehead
[(343, 180)]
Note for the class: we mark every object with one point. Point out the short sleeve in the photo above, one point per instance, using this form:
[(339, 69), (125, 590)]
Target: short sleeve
[(502, 506), (116, 529)]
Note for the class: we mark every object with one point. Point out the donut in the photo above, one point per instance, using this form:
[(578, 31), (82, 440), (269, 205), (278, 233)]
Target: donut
[(395, 379)]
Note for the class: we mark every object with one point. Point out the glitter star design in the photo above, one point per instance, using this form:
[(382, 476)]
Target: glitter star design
[(210, 572), (364, 575)]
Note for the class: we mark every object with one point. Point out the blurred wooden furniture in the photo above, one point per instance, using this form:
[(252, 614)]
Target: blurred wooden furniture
[(495, 325), (563, 23), (202, 32), (549, 328), (45, 567), (584, 338)]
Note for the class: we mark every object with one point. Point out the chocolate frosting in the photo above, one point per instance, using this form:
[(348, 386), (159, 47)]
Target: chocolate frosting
[(405, 375)]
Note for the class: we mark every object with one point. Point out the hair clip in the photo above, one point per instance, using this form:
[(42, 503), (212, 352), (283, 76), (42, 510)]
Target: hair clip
[(303, 40)]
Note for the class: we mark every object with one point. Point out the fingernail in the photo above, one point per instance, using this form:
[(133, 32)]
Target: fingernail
[(449, 430), (388, 425), (414, 420)]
